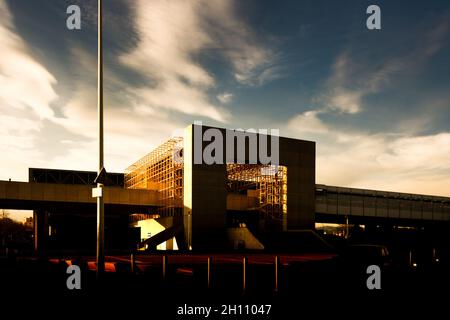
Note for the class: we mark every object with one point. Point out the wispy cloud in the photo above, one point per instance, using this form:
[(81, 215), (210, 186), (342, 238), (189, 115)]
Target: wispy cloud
[(350, 82), (225, 97), (24, 82), (353, 78), (308, 122), (252, 61), (26, 92), (170, 36), (173, 35)]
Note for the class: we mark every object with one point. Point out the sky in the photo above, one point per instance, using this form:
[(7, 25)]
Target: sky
[(377, 102)]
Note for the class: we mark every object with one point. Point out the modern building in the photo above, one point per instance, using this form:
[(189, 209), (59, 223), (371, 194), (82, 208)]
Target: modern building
[(234, 189)]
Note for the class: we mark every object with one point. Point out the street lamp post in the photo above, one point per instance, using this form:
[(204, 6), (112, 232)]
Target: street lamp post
[(99, 193)]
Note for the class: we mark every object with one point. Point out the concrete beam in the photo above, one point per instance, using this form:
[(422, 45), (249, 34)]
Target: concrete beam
[(30, 195)]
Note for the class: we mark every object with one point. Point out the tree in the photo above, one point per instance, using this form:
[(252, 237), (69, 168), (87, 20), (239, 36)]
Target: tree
[(13, 234)]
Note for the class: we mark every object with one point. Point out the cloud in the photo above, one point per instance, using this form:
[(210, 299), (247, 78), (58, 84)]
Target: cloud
[(346, 161), (252, 62), (172, 37), (345, 101), (24, 82), (225, 97), (26, 92), (260, 76), (308, 122), (436, 38), (351, 81), (78, 114), (416, 164), (177, 96), (425, 152), (17, 145), (354, 77), (169, 37)]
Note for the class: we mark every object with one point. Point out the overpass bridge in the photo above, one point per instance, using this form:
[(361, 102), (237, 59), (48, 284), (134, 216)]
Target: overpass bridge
[(73, 197), (58, 199), (337, 204)]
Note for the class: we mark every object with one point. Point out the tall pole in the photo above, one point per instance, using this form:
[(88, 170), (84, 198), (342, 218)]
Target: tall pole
[(100, 204)]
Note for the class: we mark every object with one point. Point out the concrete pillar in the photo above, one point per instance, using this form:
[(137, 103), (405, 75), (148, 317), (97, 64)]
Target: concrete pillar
[(204, 199), (40, 222), (299, 157)]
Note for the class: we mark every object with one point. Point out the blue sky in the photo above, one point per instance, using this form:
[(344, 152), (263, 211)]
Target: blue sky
[(376, 102)]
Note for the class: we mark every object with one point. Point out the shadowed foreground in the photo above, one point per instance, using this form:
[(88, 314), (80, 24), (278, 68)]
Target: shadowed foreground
[(305, 282)]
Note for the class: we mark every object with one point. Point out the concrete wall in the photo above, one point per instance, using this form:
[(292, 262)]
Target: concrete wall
[(242, 238)]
